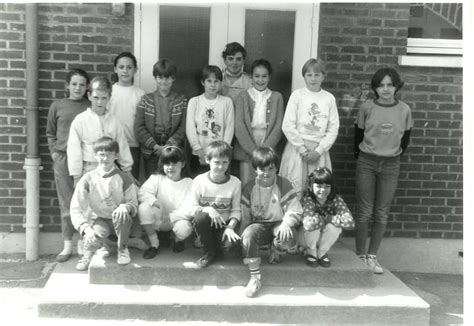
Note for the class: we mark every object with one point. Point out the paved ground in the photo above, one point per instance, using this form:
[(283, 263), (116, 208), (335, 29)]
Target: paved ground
[(21, 284)]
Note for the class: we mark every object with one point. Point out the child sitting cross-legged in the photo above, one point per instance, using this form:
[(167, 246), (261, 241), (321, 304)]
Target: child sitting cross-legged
[(160, 197), (104, 201), (271, 206)]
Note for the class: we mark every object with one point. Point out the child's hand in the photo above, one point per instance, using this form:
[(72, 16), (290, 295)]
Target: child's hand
[(202, 158), (90, 239), (216, 219), (230, 235), (312, 156), (284, 232), (120, 215), (156, 204), (157, 149)]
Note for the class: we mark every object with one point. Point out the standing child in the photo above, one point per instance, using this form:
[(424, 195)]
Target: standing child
[(325, 214), (124, 101), (210, 117), (382, 133), (91, 125), (258, 118), (60, 116), (111, 197), (235, 79), (271, 206), (161, 116), (310, 124), (214, 202), (160, 197)]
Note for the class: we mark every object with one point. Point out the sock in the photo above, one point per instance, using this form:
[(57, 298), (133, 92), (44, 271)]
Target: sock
[(255, 273), (67, 250), (153, 240)]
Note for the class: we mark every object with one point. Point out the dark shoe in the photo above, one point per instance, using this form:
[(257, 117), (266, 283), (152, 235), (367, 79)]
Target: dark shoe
[(324, 261), (150, 253), (205, 260), (178, 246), (63, 257), (311, 261), (164, 237)]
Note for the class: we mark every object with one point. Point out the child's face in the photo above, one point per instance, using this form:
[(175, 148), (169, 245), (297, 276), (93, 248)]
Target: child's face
[(234, 63), (99, 100), (266, 175), (321, 190), (313, 79), (125, 70), (211, 85), (260, 78), (218, 165), (77, 87), (163, 84), (386, 90), (173, 170), (106, 159)]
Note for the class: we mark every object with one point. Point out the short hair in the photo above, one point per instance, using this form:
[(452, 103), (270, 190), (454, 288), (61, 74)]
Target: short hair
[(170, 154), (264, 156), (106, 144), (320, 176), (164, 68), (380, 75), (218, 148), (233, 48), (125, 55), (209, 70), (317, 64), (100, 83), (261, 62), (78, 72)]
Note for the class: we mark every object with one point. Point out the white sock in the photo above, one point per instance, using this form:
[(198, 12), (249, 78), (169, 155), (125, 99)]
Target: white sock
[(67, 250), (153, 240)]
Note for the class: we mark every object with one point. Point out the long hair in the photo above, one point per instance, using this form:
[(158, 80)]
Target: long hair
[(320, 176)]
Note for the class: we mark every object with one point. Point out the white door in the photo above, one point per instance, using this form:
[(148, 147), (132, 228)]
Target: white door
[(194, 35)]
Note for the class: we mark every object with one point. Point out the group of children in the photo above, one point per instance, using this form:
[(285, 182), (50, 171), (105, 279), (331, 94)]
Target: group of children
[(96, 145)]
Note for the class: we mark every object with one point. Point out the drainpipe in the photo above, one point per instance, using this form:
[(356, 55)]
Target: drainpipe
[(32, 160)]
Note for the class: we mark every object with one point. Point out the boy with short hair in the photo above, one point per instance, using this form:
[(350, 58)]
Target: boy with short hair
[(109, 197), (214, 201), (271, 207)]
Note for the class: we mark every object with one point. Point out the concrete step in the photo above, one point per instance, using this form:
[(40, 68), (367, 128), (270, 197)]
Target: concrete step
[(169, 268), (68, 294)]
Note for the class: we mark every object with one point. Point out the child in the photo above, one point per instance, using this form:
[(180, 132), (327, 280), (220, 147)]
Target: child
[(325, 214), (258, 118), (235, 79), (310, 124), (214, 202), (382, 133), (124, 101), (270, 205), (210, 117), (161, 116), (111, 197), (159, 198), (89, 126), (60, 116)]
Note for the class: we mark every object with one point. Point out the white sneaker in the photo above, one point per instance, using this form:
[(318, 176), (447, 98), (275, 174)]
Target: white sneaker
[(137, 243), (80, 247), (374, 264), (123, 256), (84, 261), (253, 287)]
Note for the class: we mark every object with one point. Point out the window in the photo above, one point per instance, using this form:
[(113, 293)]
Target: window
[(434, 35)]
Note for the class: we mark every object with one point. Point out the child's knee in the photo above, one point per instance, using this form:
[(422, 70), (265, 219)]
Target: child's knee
[(182, 229), (147, 214)]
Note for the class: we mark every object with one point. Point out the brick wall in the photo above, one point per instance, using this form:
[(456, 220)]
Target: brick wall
[(356, 39), (71, 35)]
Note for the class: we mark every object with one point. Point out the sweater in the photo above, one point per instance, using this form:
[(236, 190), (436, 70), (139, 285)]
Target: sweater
[(244, 107)]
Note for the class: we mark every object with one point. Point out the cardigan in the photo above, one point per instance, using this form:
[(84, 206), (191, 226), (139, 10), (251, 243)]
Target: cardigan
[(244, 108)]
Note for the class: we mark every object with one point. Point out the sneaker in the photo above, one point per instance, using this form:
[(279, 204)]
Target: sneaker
[(123, 256), (205, 260), (178, 246), (374, 264), (253, 287), (84, 261), (363, 258), (104, 251), (137, 243), (150, 253), (324, 261), (80, 247)]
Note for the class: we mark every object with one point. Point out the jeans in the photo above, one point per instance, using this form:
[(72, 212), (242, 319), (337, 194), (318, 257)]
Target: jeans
[(256, 235), (210, 236), (103, 227), (65, 189), (376, 183)]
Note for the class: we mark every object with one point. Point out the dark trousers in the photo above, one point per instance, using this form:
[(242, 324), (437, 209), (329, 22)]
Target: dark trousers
[(210, 236), (135, 151)]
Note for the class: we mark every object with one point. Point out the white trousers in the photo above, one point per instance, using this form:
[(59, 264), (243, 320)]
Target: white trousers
[(318, 242)]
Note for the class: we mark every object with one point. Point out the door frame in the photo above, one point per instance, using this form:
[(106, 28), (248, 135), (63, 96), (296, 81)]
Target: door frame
[(222, 32)]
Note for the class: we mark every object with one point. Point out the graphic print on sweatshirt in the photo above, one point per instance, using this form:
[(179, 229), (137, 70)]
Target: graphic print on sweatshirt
[(213, 129), (315, 118)]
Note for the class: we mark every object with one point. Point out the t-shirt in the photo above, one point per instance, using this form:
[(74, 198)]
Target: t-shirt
[(384, 126)]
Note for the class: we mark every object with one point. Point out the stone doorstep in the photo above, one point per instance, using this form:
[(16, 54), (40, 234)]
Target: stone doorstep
[(168, 268), (68, 294)]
